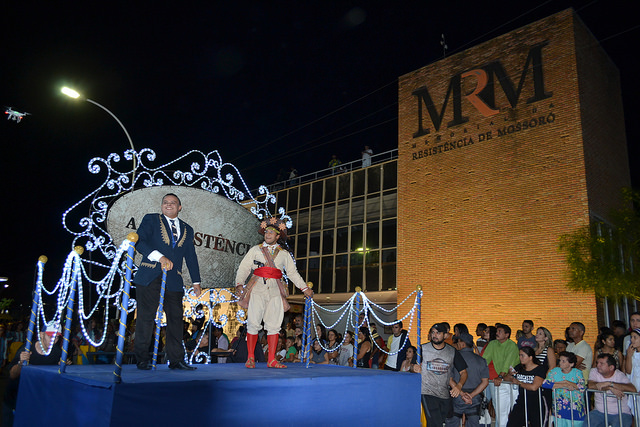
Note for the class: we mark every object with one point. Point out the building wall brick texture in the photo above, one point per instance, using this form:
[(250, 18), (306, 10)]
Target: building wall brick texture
[(479, 223)]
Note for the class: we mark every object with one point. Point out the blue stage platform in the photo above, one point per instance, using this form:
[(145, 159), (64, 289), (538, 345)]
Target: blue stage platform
[(217, 394)]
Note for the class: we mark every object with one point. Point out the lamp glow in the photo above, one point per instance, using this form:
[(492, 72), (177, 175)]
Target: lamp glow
[(70, 92)]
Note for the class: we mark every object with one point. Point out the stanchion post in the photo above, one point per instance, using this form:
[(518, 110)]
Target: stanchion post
[(357, 327), (69, 315), (306, 336), (419, 322), (34, 306), (159, 319), (124, 304)]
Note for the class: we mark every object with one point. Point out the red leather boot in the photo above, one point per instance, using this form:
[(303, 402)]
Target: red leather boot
[(252, 339), (272, 340)]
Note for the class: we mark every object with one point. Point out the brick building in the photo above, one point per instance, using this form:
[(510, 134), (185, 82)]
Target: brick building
[(502, 149)]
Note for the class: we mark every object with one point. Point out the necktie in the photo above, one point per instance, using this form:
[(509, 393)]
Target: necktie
[(174, 231)]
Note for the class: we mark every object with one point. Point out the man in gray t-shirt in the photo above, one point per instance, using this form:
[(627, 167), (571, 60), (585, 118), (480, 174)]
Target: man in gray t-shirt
[(470, 399), (438, 387)]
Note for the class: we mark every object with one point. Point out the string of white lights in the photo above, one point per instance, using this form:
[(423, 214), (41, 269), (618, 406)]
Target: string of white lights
[(204, 170), (367, 304)]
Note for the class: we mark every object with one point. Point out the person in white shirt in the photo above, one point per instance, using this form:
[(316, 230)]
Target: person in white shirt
[(580, 348), (366, 156)]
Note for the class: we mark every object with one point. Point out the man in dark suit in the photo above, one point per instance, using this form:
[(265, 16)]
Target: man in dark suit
[(164, 242)]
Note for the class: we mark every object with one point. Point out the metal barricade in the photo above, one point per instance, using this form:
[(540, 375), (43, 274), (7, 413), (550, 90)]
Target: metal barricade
[(576, 397), (514, 391), (621, 403), (495, 397)]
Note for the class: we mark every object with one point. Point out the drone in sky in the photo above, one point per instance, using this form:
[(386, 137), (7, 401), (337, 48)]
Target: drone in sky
[(15, 115)]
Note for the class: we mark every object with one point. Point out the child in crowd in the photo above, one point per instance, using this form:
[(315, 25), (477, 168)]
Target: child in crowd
[(281, 352), (292, 352)]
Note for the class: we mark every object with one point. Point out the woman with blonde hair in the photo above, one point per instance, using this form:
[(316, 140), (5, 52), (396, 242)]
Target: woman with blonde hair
[(544, 348)]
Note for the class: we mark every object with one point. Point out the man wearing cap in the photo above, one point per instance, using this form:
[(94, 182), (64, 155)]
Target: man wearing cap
[(438, 387), (164, 242), (263, 294), (504, 354), (470, 399), (37, 356)]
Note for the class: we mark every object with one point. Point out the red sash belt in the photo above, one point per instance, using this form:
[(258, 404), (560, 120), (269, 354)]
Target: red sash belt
[(268, 272)]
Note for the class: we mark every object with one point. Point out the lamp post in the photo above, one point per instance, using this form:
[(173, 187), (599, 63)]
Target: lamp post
[(73, 94)]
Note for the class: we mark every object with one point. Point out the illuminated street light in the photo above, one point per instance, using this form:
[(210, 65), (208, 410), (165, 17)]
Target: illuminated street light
[(73, 94)]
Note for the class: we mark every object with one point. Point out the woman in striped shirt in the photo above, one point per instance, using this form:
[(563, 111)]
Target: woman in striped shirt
[(544, 348)]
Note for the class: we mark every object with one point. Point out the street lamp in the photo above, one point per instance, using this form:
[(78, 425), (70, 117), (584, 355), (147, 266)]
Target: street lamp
[(73, 94)]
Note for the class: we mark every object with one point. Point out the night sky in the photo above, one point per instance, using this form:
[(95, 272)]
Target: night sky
[(268, 84)]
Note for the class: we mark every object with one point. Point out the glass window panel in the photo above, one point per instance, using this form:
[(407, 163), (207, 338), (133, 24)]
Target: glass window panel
[(342, 216), (294, 220), (372, 257), (316, 193), (372, 271), (355, 272), (389, 238), (314, 244), (357, 210), (373, 207), (342, 240), (303, 221), (358, 183), (356, 238), (326, 284), (316, 218), (292, 200), (389, 269), (301, 245), (390, 175), (304, 196), (301, 265), (341, 273), (329, 216), (280, 197), (330, 190), (313, 271), (389, 204), (373, 238), (327, 242), (373, 180), (344, 186)]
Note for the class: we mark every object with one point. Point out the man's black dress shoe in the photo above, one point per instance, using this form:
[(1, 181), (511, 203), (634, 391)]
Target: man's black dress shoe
[(182, 365), (145, 366)]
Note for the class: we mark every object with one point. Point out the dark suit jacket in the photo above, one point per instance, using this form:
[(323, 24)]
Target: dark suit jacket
[(154, 234)]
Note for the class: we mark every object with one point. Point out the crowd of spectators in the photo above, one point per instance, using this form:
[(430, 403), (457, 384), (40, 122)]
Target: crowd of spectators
[(532, 378), (517, 369), (10, 333)]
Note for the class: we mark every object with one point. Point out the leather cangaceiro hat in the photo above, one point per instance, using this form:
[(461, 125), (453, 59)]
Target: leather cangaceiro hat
[(277, 225)]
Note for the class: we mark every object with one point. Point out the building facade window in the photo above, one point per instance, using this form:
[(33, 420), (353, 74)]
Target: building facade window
[(344, 234)]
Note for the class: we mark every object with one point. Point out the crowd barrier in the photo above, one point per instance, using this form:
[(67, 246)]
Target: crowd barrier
[(577, 396), (348, 319), (69, 289)]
